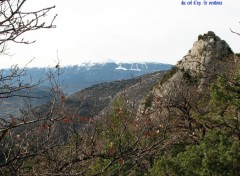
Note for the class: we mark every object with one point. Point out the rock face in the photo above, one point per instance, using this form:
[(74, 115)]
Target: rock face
[(207, 56), (205, 51), (173, 101)]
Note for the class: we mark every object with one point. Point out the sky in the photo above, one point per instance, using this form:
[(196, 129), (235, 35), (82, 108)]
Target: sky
[(123, 31)]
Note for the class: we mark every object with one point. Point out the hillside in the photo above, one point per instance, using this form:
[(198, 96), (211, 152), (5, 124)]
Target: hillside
[(91, 101), (24, 100)]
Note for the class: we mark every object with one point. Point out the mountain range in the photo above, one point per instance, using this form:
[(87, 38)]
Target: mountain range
[(78, 77)]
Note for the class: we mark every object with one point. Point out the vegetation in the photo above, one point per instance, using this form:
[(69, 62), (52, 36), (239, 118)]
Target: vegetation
[(168, 75), (216, 154), (148, 101), (189, 78), (218, 151), (187, 132)]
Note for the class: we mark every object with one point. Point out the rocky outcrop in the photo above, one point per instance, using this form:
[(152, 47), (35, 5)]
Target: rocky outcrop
[(206, 51), (175, 99), (209, 56)]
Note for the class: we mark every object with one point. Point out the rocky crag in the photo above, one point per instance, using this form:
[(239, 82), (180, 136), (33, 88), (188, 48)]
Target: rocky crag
[(183, 93)]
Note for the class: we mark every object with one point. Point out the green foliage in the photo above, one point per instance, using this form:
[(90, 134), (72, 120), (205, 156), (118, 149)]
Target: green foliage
[(225, 103), (168, 75), (116, 138), (189, 78), (217, 154), (118, 134), (98, 166), (148, 101), (225, 92), (200, 37)]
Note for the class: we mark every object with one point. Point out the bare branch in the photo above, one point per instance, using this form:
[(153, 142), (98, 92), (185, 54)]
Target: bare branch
[(14, 21), (234, 32)]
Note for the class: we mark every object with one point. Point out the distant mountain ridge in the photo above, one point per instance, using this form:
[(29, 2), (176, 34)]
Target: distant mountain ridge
[(77, 77)]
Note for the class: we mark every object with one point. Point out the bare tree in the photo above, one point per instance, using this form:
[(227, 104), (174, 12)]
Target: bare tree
[(19, 137), (15, 21)]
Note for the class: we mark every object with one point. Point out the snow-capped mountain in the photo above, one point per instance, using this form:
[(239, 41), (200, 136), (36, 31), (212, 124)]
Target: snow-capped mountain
[(77, 77)]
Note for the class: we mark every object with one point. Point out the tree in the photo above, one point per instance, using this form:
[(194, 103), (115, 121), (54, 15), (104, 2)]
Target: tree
[(15, 21), (114, 144), (217, 152), (18, 135)]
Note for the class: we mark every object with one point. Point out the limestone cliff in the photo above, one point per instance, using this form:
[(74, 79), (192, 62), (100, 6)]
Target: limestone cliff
[(209, 56), (175, 100)]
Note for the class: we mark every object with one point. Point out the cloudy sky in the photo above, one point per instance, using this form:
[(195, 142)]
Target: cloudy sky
[(124, 30)]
